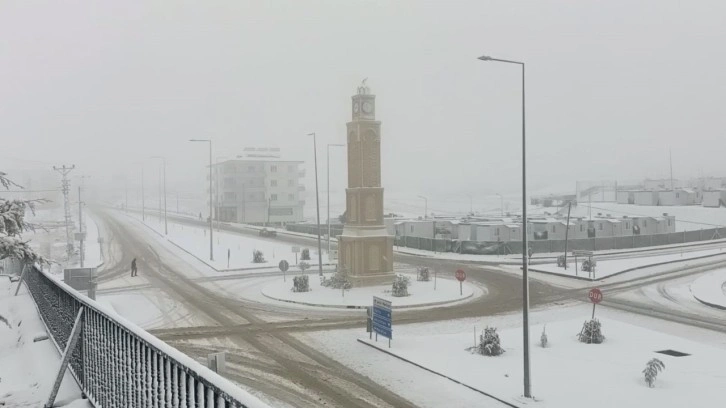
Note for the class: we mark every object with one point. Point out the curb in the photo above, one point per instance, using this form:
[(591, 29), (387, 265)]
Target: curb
[(444, 302), (629, 269), (439, 374), (705, 302)]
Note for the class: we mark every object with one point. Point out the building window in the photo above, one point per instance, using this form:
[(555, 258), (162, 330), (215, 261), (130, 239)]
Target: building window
[(412, 229), (599, 226), (273, 183), (273, 169), (230, 196), (627, 225), (669, 223), (273, 197), (678, 195), (291, 183), (291, 197), (553, 228), (645, 223), (581, 226), (496, 232)]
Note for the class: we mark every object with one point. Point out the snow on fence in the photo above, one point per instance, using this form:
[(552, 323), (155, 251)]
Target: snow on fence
[(117, 364)]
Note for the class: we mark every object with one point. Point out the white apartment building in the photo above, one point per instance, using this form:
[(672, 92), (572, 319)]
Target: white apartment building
[(258, 188)]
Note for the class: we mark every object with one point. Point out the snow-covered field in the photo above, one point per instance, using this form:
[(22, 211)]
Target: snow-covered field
[(28, 368), (610, 267), (239, 247), (711, 288), (421, 293), (564, 375)]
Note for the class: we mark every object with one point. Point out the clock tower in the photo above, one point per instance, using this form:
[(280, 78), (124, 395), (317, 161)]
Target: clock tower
[(365, 247)]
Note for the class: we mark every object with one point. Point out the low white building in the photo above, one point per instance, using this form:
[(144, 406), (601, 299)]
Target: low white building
[(714, 198), (645, 197), (679, 196)]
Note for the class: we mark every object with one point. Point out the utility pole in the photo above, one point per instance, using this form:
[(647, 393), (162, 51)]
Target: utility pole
[(328, 174), (80, 224), (66, 186), (670, 159), (317, 202), (143, 207), (567, 231)]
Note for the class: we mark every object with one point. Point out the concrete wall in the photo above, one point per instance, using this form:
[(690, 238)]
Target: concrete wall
[(713, 198)]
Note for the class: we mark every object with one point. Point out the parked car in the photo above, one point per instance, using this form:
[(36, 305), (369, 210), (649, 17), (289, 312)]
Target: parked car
[(264, 232)]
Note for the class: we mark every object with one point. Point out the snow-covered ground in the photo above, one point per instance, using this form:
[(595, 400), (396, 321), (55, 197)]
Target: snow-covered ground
[(610, 267), (28, 368), (711, 288), (420, 293), (564, 374), (195, 240)]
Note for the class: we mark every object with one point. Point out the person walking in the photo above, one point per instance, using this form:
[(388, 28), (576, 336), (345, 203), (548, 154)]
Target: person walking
[(134, 270)]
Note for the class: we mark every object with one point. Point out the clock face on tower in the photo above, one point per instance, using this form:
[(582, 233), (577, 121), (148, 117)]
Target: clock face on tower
[(367, 107), (356, 108)]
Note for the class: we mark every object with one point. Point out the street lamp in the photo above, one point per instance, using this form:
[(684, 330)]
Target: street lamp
[(143, 207), (211, 228), (216, 186), (166, 225), (317, 202), (525, 277), (426, 206), (501, 204), (328, 174)]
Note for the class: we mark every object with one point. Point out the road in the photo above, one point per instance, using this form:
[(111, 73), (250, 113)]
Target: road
[(264, 353)]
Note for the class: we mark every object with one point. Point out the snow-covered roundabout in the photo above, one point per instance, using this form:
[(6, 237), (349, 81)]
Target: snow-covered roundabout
[(421, 293)]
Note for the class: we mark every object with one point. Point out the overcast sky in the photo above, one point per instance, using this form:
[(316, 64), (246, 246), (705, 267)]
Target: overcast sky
[(611, 87)]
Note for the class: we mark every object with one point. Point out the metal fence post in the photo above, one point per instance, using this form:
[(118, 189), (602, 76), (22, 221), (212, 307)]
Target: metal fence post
[(20, 282), (70, 346)]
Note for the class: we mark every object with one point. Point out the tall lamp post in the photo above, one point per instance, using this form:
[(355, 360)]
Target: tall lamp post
[(216, 192), (317, 202), (143, 206), (426, 206), (328, 174), (525, 277), (501, 205), (163, 161), (211, 203)]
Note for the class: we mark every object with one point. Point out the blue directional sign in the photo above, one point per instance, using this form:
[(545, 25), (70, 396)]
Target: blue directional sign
[(382, 317)]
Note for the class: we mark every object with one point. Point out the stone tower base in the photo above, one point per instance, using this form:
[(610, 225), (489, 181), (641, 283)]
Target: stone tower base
[(366, 255)]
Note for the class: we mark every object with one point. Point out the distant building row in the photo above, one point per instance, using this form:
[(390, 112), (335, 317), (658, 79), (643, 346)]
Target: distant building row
[(545, 228)]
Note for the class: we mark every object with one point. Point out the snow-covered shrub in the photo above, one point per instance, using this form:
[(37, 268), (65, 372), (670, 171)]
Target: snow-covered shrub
[(652, 368), (489, 343), (258, 256), (543, 338), (591, 332), (304, 266), (300, 284), (305, 255), (338, 281), (588, 265), (561, 261), (400, 285), (423, 274)]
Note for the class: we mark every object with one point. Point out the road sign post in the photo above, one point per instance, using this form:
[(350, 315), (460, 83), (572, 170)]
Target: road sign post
[(296, 250), (284, 266), (383, 318), (461, 277), (595, 296)]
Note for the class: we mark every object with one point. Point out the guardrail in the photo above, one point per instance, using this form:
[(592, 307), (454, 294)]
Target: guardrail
[(118, 364)]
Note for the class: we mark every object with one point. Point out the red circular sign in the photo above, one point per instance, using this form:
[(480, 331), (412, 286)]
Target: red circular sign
[(595, 295), (460, 275)]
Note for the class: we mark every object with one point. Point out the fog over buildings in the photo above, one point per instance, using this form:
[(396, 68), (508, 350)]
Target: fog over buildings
[(611, 87)]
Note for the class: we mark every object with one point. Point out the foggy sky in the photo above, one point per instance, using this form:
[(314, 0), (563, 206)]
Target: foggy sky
[(611, 86)]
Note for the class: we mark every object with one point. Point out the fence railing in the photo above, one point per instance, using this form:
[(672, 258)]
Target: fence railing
[(118, 364)]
